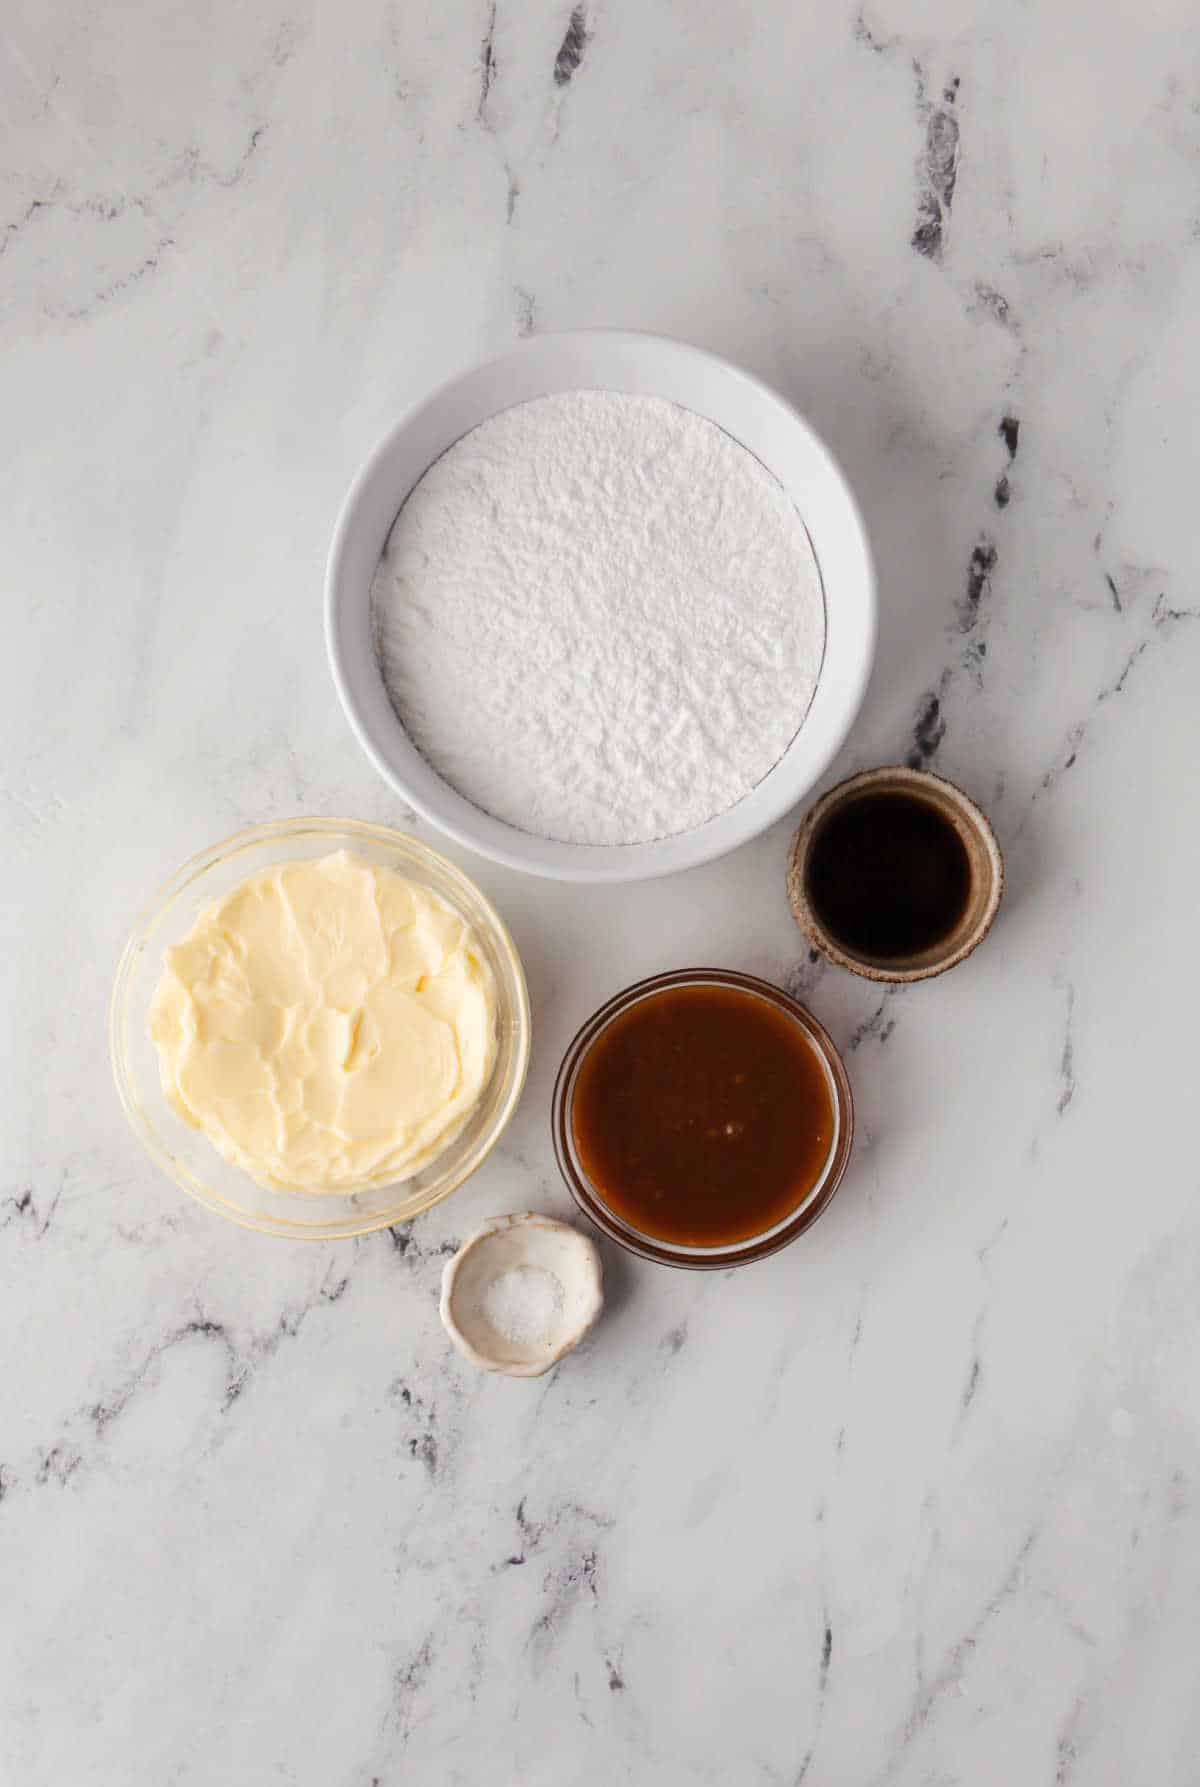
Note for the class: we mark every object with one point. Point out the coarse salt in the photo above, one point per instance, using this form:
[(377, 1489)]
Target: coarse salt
[(523, 1305)]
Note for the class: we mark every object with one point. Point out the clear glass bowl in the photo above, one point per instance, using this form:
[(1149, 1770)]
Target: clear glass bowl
[(186, 1154), (670, 1253)]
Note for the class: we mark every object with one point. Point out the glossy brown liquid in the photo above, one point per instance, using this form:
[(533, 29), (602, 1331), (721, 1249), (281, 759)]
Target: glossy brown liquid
[(702, 1115), (888, 876)]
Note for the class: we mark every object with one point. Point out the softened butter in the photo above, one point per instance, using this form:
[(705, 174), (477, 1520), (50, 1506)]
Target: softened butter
[(329, 1025)]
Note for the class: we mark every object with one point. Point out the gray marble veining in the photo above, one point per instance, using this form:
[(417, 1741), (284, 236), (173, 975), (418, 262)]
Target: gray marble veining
[(913, 1502)]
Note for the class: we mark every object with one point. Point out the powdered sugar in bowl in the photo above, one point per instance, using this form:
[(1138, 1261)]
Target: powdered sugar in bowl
[(618, 762)]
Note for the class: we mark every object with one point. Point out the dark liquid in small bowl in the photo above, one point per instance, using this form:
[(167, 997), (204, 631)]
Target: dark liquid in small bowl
[(889, 876), (703, 1115)]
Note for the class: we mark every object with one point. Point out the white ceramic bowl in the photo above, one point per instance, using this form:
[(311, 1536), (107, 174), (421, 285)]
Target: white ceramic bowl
[(645, 365)]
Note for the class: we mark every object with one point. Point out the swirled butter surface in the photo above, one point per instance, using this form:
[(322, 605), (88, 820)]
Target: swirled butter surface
[(329, 1025)]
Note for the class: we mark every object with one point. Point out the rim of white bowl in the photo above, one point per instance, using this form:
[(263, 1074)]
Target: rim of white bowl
[(640, 364)]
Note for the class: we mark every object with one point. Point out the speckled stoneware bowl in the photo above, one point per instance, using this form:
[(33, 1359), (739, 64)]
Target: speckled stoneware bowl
[(983, 856)]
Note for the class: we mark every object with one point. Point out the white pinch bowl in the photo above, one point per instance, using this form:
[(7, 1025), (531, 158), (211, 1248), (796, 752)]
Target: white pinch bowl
[(505, 1244), (643, 365)]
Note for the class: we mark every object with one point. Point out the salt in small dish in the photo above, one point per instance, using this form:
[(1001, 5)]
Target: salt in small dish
[(520, 1293)]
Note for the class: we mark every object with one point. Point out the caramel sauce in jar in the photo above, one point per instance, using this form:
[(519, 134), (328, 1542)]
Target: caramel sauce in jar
[(703, 1115)]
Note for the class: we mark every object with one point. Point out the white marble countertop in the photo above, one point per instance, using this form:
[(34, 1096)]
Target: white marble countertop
[(916, 1500)]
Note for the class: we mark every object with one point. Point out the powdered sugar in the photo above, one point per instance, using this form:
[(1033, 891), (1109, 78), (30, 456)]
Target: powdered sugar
[(600, 618)]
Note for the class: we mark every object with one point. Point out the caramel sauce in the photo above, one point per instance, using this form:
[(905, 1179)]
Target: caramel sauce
[(702, 1115)]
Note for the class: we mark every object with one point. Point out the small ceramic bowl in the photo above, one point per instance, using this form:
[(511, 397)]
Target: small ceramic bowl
[(520, 1293), (671, 1253), (985, 863)]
